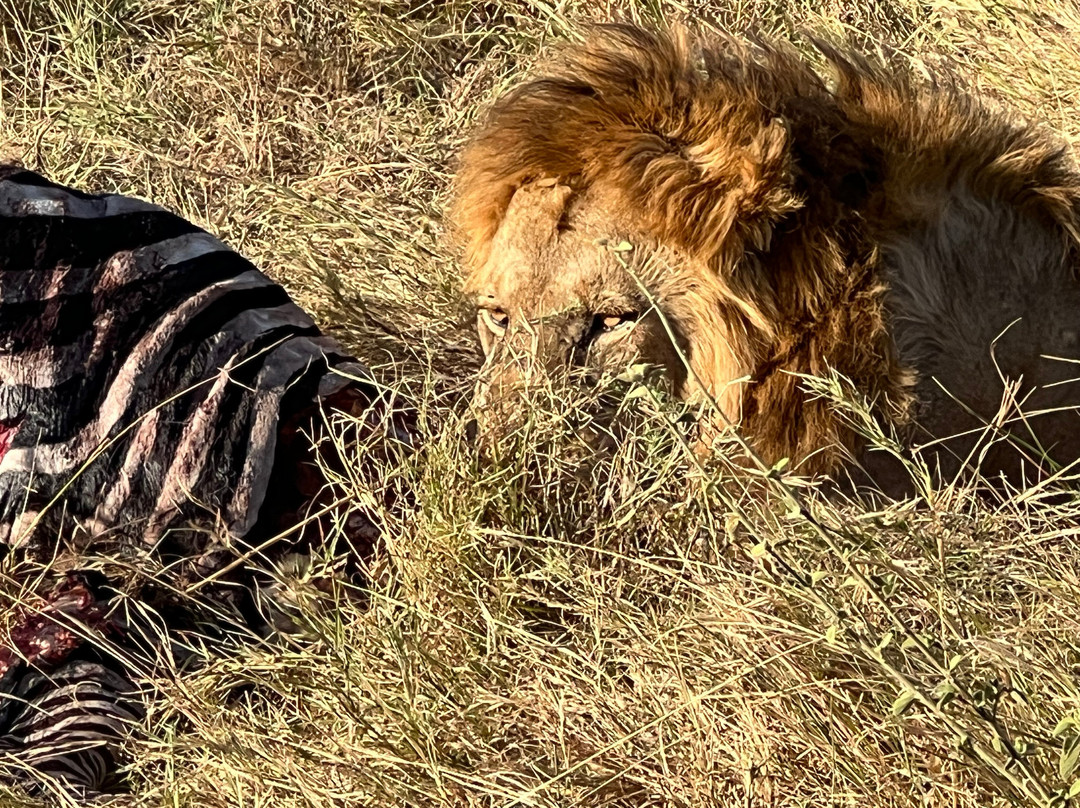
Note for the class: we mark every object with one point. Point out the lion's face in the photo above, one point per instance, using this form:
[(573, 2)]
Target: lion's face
[(722, 213), (572, 290)]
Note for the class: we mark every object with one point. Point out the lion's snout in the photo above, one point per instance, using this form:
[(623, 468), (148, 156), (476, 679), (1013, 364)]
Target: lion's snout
[(545, 379), (531, 369)]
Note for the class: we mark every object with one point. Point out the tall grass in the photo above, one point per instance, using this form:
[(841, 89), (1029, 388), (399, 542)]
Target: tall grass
[(546, 629)]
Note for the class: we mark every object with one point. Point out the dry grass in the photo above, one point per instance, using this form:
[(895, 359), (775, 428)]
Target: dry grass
[(540, 633)]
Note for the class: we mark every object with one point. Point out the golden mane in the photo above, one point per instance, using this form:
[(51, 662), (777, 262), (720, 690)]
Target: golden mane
[(742, 156)]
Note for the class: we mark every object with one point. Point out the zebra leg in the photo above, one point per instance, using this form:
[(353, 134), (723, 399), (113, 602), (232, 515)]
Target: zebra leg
[(67, 726), (65, 701)]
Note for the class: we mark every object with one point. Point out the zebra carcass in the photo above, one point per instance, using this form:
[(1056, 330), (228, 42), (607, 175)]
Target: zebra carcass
[(157, 390)]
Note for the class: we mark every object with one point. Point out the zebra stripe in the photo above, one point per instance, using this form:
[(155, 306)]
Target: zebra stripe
[(152, 383), (66, 726), (143, 367)]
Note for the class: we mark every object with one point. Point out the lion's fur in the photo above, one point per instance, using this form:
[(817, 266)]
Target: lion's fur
[(827, 214)]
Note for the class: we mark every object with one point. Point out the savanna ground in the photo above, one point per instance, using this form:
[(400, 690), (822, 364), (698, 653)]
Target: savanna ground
[(649, 633)]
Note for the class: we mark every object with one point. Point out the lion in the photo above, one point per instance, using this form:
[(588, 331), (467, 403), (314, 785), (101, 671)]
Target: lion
[(717, 209)]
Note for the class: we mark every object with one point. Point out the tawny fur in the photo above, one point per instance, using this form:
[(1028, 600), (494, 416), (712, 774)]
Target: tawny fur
[(850, 226)]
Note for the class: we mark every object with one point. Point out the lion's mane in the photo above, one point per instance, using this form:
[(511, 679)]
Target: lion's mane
[(743, 156)]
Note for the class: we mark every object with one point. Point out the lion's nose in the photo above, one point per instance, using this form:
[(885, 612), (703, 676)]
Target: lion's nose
[(574, 341)]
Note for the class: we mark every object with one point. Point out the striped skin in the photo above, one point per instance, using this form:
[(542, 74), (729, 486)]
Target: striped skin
[(66, 702), (153, 384), (65, 726), (143, 358)]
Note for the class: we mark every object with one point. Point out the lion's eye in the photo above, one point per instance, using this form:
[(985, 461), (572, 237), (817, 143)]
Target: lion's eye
[(609, 322), (495, 319)]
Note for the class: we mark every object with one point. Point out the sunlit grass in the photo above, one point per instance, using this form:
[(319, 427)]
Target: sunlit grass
[(545, 628)]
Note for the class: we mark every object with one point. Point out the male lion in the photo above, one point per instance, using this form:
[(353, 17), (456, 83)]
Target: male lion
[(898, 232)]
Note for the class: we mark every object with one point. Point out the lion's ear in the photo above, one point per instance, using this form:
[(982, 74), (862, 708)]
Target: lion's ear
[(533, 216), (518, 231)]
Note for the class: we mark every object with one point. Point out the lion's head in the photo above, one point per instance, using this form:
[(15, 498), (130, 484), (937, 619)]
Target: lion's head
[(720, 212)]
